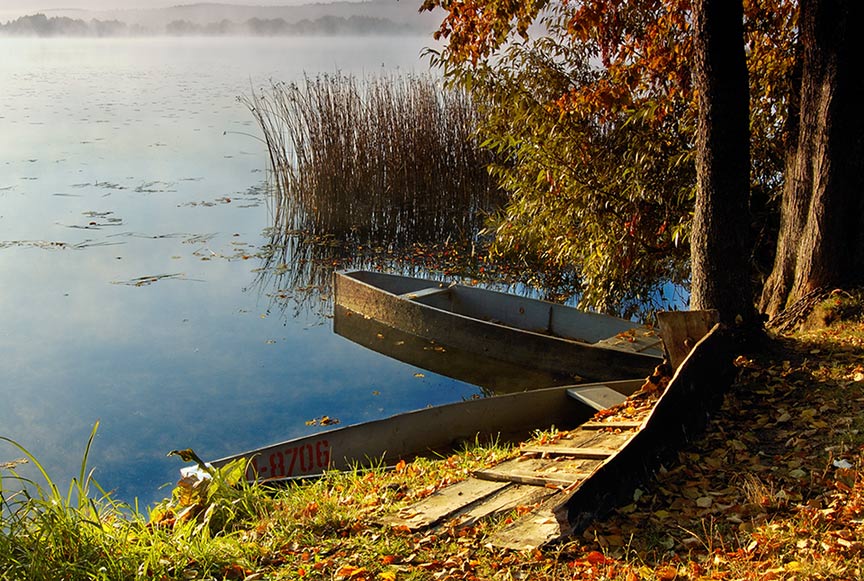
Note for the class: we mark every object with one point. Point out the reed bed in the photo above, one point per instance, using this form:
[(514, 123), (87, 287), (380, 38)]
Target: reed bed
[(386, 159)]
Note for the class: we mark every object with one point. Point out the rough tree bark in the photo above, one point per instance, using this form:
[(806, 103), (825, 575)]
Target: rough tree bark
[(821, 240), (720, 245)]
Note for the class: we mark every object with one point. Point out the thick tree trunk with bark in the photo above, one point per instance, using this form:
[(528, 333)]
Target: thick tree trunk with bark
[(720, 245), (821, 239)]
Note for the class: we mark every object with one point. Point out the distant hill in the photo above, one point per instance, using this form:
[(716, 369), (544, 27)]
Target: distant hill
[(370, 17)]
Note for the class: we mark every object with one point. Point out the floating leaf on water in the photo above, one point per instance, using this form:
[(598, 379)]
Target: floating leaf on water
[(150, 279), (12, 464), (323, 421)]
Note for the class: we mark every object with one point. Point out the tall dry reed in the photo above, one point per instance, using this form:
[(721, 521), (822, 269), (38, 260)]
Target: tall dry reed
[(385, 159)]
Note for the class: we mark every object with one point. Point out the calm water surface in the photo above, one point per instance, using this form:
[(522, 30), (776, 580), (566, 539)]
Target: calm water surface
[(132, 210)]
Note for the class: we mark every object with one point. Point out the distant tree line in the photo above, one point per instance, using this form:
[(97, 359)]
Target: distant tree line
[(43, 26)]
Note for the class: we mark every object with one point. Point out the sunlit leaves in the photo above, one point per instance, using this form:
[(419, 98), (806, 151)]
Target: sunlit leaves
[(595, 119), (476, 28)]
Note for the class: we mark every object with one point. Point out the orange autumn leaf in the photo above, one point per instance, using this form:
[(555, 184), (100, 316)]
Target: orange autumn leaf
[(598, 558), (350, 572)]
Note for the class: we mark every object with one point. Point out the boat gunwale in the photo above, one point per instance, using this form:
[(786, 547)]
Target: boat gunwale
[(627, 386)]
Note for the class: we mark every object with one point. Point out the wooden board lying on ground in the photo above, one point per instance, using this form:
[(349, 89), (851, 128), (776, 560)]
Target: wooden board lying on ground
[(443, 503), (541, 471)]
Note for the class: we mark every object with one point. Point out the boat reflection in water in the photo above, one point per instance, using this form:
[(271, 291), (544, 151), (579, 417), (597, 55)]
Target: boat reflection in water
[(493, 376)]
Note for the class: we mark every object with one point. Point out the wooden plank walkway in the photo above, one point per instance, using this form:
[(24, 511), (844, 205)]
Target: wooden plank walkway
[(540, 472), (579, 473)]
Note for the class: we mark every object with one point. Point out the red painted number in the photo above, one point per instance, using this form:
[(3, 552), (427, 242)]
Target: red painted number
[(300, 460), (322, 454), (277, 465)]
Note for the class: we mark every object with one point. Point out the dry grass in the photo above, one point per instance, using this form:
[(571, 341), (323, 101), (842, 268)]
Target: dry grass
[(385, 159)]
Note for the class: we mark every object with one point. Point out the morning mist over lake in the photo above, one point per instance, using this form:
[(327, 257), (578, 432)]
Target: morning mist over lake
[(84, 18)]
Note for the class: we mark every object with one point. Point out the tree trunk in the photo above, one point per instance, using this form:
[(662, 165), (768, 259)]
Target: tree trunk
[(720, 246), (821, 242)]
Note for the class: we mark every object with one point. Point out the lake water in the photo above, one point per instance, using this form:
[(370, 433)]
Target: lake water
[(132, 210)]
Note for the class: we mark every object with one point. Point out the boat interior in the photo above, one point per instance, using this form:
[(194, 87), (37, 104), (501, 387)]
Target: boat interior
[(514, 311)]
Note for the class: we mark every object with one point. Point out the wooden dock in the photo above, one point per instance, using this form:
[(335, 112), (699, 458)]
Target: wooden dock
[(559, 485)]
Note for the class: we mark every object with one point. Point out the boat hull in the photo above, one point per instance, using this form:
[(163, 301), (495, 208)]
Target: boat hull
[(521, 331), (506, 418)]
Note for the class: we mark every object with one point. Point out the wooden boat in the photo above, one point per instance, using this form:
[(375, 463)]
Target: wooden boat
[(430, 430), (526, 332)]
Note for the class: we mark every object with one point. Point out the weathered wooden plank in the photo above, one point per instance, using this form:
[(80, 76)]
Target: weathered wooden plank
[(504, 501), (520, 464), (541, 471), (533, 530), (425, 293), (681, 330), (571, 451), (613, 425), (594, 439), (679, 415), (598, 397), (590, 439), (443, 503), (533, 478)]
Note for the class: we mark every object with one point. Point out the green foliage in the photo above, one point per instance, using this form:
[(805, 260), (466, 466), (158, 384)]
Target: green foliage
[(595, 117), (608, 196), (85, 534), (45, 534)]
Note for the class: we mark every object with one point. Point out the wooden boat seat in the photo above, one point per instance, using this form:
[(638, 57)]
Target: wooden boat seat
[(634, 344), (426, 292), (598, 397)]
